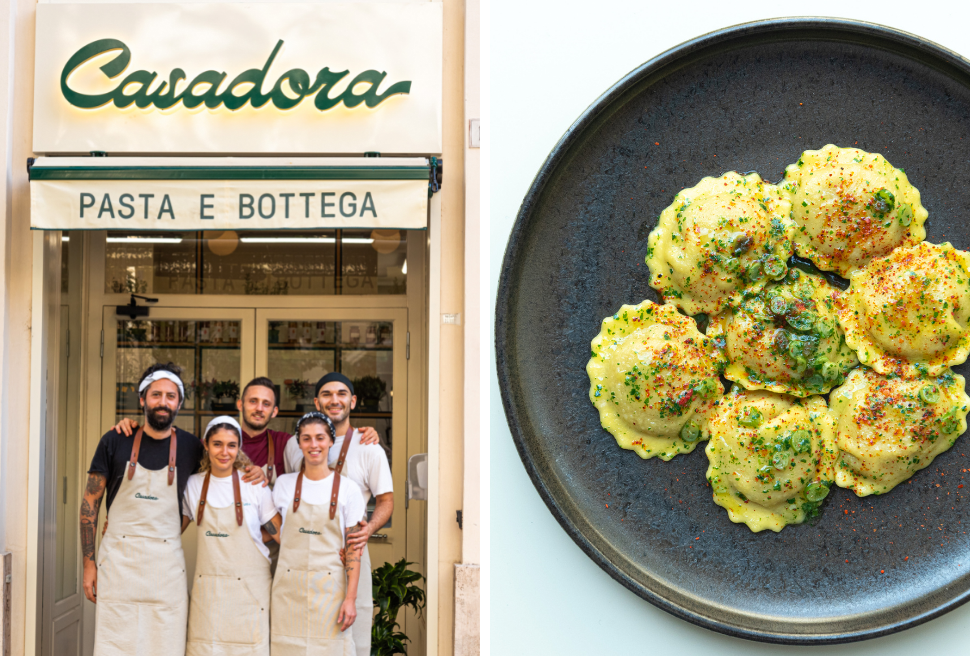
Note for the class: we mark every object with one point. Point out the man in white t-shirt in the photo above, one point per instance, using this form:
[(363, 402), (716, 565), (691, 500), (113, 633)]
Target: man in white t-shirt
[(367, 466)]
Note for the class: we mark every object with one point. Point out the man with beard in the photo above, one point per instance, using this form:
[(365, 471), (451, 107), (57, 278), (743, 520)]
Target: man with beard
[(268, 448), (142, 594), (367, 466)]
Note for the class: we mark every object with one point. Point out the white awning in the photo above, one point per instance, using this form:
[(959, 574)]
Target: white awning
[(228, 193)]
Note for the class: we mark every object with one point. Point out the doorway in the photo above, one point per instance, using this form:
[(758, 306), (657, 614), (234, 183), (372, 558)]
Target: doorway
[(226, 318)]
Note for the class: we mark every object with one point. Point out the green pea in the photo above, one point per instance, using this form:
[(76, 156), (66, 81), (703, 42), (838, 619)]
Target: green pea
[(815, 381), (750, 417), (930, 394), (824, 329), (690, 432), (905, 215), (803, 322), (732, 264), (766, 471), (816, 491), (754, 272), (795, 349), (883, 202), (830, 371), (949, 422), (794, 274), (742, 244), (778, 305), (775, 268), (781, 341), (706, 387), (780, 460), (803, 445), (800, 435), (804, 291)]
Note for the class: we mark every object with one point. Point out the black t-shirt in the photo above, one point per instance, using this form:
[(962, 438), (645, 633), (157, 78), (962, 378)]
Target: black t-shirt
[(114, 450)]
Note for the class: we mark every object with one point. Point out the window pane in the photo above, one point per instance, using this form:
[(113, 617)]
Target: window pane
[(277, 263), (300, 353), (373, 262), (150, 263)]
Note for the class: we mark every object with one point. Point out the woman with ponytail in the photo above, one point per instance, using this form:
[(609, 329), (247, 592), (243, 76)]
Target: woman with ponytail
[(229, 608), (314, 592)]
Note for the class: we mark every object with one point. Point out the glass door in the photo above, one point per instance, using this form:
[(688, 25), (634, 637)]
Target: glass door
[(214, 347), (296, 347)]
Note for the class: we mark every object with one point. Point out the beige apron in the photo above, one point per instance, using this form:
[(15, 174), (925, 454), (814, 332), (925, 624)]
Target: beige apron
[(229, 612), (310, 585), (142, 596)]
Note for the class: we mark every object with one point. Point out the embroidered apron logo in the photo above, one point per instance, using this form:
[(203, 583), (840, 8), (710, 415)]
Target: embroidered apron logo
[(139, 495), (309, 532), (210, 534), (211, 89)]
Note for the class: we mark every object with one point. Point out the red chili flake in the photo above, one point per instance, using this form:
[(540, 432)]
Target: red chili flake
[(960, 485), (882, 571), (846, 560), (697, 538), (906, 558), (656, 143), (607, 505)]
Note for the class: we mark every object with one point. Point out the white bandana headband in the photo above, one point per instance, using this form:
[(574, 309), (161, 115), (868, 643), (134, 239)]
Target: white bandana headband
[(159, 375), (222, 419)]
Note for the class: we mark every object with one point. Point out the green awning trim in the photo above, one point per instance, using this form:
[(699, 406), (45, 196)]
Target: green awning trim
[(229, 173)]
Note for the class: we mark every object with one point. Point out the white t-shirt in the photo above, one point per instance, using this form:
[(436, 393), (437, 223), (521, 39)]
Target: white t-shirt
[(366, 464), (350, 503), (257, 503)]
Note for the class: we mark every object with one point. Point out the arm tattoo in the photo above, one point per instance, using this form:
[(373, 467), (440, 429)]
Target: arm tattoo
[(90, 506), (352, 555)]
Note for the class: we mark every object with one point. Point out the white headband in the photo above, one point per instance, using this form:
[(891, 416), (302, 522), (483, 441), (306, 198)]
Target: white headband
[(222, 419), (158, 375)]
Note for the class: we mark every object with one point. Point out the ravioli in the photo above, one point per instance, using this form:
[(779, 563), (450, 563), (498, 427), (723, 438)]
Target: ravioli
[(850, 207), (787, 338), (772, 457), (654, 377), (909, 312), (717, 240), (890, 427)]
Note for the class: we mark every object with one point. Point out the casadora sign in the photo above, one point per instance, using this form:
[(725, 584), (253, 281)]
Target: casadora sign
[(335, 78), (214, 93)]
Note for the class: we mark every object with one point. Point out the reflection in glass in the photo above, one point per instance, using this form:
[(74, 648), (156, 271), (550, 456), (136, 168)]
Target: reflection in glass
[(207, 351), (257, 263), (277, 263), (373, 262), (150, 263)]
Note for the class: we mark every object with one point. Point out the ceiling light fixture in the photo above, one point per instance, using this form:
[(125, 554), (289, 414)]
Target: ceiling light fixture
[(144, 240)]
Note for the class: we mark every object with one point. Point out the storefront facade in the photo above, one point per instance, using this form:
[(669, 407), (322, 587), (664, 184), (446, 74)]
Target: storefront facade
[(271, 177)]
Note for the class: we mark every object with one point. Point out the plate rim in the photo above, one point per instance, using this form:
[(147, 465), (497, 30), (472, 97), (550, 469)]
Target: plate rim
[(925, 52)]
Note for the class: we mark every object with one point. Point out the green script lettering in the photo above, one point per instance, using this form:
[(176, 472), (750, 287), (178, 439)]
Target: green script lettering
[(207, 87)]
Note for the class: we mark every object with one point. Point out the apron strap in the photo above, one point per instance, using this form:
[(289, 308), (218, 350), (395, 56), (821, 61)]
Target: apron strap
[(134, 454), (298, 491), (202, 499), (172, 449), (236, 496), (336, 470), (270, 458)]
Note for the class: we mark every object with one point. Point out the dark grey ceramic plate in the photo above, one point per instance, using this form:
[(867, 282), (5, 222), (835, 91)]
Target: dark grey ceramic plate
[(747, 98)]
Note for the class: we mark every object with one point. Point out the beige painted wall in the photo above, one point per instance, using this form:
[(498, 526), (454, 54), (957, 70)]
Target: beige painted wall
[(16, 94), (451, 376)]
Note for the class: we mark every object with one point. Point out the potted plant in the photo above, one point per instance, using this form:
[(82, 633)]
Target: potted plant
[(225, 393), (300, 390), (394, 588), (369, 391)]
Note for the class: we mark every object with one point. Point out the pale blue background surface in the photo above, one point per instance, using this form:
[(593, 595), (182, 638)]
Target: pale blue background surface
[(549, 61)]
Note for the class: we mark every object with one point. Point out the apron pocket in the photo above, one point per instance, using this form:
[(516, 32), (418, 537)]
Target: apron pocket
[(224, 610)]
